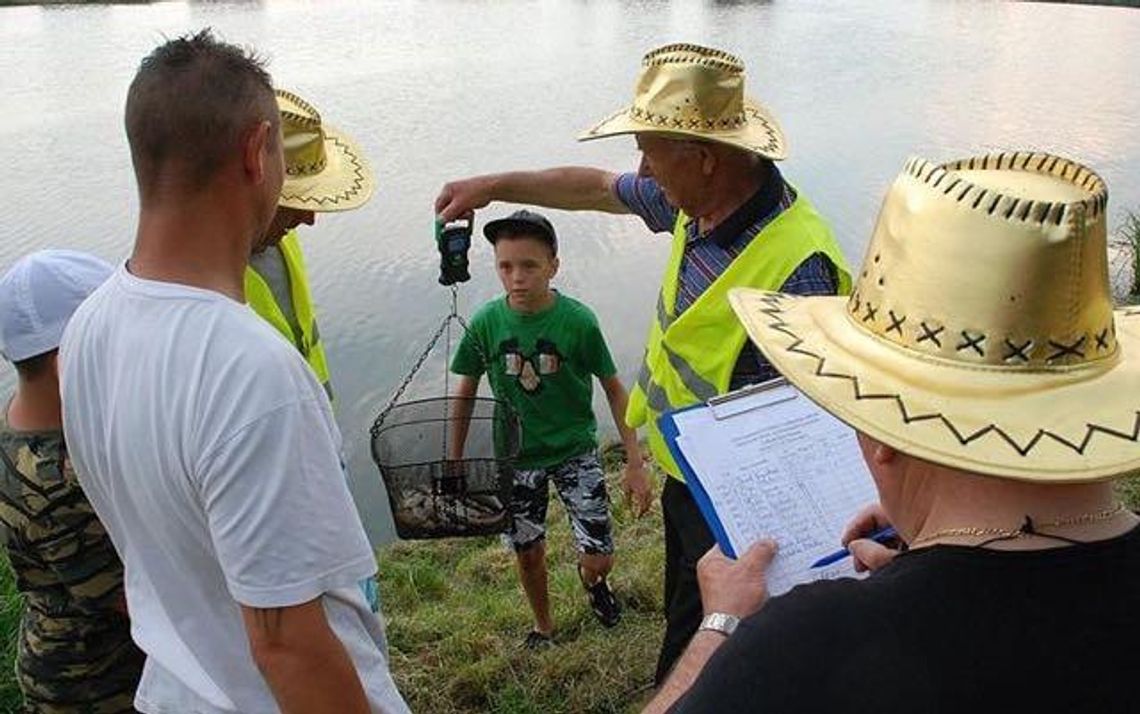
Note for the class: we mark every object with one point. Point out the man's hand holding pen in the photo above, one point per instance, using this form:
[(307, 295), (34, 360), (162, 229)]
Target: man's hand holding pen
[(869, 554)]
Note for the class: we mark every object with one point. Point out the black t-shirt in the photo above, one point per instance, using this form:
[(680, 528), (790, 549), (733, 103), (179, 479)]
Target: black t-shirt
[(944, 629)]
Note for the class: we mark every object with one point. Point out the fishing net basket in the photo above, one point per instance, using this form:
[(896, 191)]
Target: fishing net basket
[(432, 495)]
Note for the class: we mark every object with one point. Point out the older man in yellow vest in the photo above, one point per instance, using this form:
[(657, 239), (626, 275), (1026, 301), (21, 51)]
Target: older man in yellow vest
[(325, 172), (707, 177)]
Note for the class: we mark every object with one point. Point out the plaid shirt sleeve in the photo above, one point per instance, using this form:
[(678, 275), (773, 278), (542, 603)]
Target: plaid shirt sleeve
[(645, 199), (814, 276)]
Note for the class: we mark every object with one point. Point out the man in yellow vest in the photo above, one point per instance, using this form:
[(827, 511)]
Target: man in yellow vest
[(324, 172), (708, 177)]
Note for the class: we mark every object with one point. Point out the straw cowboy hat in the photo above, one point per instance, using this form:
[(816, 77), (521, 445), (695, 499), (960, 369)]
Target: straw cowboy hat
[(981, 333), (696, 92), (324, 169)]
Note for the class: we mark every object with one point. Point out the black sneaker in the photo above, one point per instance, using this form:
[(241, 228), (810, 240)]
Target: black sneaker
[(605, 606), (535, 640)]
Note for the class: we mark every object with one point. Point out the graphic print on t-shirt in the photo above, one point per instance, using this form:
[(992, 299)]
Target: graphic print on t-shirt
[(529, 369)]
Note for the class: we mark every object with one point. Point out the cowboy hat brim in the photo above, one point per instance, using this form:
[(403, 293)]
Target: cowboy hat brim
[(345, 183), (1070, 425), (761, 133)]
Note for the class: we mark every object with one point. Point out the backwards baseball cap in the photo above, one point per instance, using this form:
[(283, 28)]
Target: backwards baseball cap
[(523, 222), (39, 294)]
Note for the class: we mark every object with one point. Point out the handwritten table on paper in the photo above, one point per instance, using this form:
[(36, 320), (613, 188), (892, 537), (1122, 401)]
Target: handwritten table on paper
[(777, 465)]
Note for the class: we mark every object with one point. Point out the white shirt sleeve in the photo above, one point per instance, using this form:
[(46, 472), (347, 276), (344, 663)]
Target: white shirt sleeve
[(280, 515)]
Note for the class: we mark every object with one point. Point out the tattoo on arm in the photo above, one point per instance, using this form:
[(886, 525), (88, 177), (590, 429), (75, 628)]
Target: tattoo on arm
[(268, 621)]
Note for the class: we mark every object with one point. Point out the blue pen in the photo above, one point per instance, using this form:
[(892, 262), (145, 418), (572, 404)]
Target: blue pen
[(880, 536)]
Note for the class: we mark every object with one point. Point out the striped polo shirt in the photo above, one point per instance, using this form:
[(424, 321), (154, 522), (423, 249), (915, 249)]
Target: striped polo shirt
[(709, 254)]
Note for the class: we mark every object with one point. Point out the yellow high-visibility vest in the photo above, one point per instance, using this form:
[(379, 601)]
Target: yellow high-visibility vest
[(264, 302), (689, 358)]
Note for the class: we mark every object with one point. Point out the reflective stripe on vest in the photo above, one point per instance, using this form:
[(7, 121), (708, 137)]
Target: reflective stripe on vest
[(663, 316), (658, 399), (261, 297), (690, 357)]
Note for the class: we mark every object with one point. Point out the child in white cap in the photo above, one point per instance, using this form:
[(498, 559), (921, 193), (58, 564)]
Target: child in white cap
[(75, 649)]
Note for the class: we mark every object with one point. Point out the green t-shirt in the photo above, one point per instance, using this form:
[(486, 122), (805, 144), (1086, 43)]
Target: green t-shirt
[(543, 365)]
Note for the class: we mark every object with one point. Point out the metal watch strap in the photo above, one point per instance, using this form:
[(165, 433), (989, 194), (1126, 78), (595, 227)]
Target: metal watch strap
[(720, 622)]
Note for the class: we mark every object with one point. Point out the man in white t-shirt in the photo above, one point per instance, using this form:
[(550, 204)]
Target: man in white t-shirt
[(202, 439)]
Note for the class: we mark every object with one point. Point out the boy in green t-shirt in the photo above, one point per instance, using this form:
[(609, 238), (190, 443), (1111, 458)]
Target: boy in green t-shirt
[(541, 350)]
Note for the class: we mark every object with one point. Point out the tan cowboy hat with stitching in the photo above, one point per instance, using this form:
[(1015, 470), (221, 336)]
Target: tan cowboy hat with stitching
[(981, 333), (696, 92), (324, 169)]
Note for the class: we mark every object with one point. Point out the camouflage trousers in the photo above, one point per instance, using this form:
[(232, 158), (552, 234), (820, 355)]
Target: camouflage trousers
[(69, 668), (581, 485)]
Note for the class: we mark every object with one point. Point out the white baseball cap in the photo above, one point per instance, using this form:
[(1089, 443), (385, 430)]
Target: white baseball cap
[(39, 294)]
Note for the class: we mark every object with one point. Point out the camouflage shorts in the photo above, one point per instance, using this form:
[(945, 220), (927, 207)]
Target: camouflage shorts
[(581, 486)]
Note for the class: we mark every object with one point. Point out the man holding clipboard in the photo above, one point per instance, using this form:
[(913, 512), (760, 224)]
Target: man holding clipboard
[(993, 388)]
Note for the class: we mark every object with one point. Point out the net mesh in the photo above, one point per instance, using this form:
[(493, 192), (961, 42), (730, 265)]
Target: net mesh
[(435, 489)]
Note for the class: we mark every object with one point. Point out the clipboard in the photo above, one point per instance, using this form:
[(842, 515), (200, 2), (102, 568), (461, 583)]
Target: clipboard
[(767, 462), (722, 407)]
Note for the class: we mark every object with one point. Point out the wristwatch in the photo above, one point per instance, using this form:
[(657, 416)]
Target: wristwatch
[(720, 622)]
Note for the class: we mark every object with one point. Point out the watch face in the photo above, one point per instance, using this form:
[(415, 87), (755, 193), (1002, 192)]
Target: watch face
[(720, 622)]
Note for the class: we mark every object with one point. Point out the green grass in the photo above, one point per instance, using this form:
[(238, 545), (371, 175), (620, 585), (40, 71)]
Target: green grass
[(457, 617), (9, 625), (1129, 490)]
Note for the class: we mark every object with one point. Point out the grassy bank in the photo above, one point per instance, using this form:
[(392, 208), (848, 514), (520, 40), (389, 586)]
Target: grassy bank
[(457, 616), (9, 622)]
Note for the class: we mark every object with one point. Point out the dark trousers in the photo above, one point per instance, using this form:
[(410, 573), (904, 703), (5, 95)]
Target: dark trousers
[(687, 538)]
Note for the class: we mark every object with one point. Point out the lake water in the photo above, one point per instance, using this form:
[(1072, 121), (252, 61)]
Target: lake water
[(438, 90)]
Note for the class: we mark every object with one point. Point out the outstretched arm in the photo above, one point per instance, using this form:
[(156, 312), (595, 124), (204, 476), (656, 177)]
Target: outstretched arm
[(462, 404), (635, 480), (567, 187)]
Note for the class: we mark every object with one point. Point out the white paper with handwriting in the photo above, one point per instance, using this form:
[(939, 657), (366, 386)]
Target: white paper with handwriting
[(773, 464)]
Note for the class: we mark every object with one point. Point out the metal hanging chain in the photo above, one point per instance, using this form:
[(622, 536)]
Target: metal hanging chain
[(453, 315), (447, 371), (483, 358), (419, 363)]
